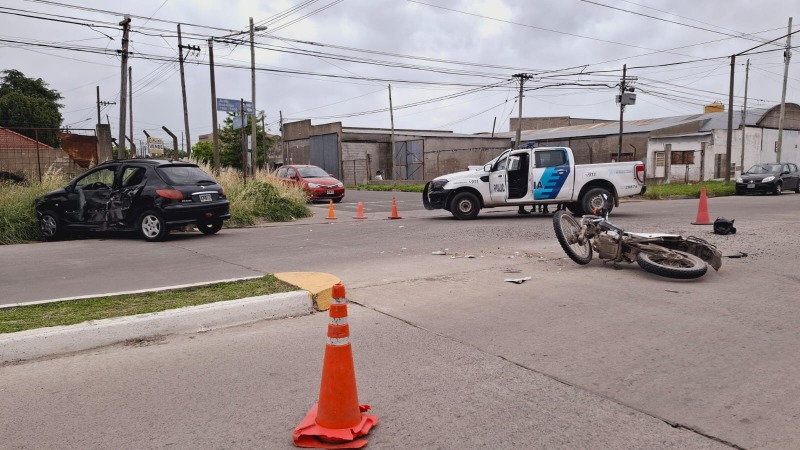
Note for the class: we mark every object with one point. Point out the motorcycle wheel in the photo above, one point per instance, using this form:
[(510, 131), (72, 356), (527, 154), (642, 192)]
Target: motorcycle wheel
[(567, 227), (672, 264)]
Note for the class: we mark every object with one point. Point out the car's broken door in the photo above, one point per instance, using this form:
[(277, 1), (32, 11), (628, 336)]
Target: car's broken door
[(127, 188), (92, 193)]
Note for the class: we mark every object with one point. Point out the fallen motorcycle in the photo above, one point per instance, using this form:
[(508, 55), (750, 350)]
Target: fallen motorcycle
[(666, 255)]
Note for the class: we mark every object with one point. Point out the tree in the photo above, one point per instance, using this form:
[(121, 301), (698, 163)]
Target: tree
[(230, 154), (29, 103), (203, 151)]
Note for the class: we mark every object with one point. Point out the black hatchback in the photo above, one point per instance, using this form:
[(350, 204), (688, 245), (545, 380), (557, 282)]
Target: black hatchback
[(769, 178), (149, 196)]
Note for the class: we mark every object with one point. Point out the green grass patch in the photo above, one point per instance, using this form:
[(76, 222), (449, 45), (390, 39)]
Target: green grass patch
[(76, 311), (691, 190), (388, 187), (17, 216)]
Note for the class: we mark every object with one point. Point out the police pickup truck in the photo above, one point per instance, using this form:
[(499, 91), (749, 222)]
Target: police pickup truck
[(534, 176)]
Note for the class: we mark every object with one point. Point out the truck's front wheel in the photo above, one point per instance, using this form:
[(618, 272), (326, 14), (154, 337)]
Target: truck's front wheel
[(465, 206), (596, 199)]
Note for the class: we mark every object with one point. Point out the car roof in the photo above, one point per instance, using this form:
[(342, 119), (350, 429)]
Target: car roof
[(153, 162)]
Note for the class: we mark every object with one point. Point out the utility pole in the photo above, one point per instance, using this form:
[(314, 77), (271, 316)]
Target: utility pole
[(253, 130), (729, 142), (626, 97), (244, 141), (522, 77), (123, 94), (214, 131), (391, 137), (787, 55), (183, 89), (99, 104), (130, 111), (744, 112), (283, 147)]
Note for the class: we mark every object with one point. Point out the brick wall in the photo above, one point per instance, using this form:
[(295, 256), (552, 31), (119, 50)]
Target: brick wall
[(21, 154)]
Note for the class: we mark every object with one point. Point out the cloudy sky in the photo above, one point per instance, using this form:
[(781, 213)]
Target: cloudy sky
[(450, 62)]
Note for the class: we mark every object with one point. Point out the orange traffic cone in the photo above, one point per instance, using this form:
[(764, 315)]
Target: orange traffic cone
[(360, 213), (337, 421), (331, 214), (394, 210), (702, 210)]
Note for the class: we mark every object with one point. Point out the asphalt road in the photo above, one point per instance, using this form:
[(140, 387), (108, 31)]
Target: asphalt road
[(450, 355)]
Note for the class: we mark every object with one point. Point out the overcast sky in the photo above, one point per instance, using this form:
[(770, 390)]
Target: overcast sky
[(463, 53)]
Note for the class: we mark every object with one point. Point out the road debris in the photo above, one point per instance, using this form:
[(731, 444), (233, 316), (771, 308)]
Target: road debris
[(738, 255), (517, 280)]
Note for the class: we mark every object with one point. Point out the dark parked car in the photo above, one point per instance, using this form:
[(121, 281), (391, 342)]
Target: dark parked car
[(318, 184), (769, 177), (145, 195)]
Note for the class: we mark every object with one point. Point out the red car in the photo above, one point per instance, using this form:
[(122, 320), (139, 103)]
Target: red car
[(318, 184)]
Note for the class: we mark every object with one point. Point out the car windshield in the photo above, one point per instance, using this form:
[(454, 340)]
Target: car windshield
[(183, 175), (312, 172), (764, 168)]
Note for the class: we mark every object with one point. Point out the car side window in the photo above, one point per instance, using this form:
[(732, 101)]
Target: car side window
[(132, 176), (97, 178), (291, 173), (281, 173), (550, 158)]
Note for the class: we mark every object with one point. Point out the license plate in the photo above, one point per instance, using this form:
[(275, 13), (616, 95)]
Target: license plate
[(330, 191), (751, 186), (205, 197)]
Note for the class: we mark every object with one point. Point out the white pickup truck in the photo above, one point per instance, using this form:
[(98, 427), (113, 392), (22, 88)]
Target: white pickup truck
[(534, 176)]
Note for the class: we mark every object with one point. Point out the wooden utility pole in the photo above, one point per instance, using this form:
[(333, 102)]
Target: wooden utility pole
[(214, 129), (729, 142), (123, 91), (621, 110), (283, 147), (391, 137), (98, 105), (183, 91), (787, 55), (130, 111), (244, 140)]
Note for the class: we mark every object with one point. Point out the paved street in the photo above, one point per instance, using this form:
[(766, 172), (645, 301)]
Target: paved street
[(448, 354)]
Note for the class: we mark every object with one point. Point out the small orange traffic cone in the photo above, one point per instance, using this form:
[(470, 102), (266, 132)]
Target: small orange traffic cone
[(702, 210), (331, 214), (337, 421), (394, 210), (360, 213)]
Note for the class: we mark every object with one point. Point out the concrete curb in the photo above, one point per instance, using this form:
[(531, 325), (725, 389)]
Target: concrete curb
[(44, 342)]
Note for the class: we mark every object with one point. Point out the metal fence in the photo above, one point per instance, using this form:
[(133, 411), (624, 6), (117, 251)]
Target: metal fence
[(356, 171)]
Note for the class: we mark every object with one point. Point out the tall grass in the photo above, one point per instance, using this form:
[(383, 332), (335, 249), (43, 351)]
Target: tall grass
[(261, 198), (691, 190), (18, 222)]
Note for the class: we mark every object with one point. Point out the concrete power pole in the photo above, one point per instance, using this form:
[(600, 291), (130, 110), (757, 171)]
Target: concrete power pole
[(253, 129), (522, 77), (130, 111), (123, 90), (183, 91), (744, 112), (787, 55), (214, 129), (391, 137)]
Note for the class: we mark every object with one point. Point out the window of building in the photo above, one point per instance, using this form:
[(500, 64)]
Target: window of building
[(682, 157)]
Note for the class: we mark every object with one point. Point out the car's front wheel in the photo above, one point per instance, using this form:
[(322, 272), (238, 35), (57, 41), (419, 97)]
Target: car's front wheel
[(50, 226), (465, 206), (152, 226), (210, 227), (777, 189)]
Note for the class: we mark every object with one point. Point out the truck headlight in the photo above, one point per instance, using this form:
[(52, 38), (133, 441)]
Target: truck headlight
[(768, 179), (438, 184)]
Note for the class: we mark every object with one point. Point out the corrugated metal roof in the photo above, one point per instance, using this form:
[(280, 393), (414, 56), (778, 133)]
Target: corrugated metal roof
[(419, 133), (712, 121)]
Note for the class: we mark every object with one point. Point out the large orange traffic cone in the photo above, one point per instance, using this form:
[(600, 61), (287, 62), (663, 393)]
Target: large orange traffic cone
[(702, 210), (337, 421), (394, 210), (360, 213), (331, 214)]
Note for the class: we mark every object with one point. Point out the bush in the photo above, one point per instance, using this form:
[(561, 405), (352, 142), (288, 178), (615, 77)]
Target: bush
[(692, 190), (18, 222)]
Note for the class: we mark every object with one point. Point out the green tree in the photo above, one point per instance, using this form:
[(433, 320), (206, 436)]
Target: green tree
[(29, 103), (230, 153), (203, 151)]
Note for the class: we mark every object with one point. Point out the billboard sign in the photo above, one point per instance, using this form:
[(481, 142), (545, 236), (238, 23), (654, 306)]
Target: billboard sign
[(155, 146), (233, 106)]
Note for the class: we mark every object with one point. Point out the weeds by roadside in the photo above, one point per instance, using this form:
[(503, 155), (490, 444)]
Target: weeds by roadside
[(17, 216), (690, 190), (389, 187)]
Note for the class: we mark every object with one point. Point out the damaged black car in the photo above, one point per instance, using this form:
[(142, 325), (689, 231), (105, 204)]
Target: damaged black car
[(148, 196)]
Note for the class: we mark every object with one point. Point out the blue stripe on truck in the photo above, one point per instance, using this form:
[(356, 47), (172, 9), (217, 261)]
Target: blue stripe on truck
[(548, 187)]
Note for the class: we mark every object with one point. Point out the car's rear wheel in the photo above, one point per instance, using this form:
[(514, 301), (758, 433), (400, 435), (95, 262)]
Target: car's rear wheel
[(50, 225), (152, 226), (210, 227)]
